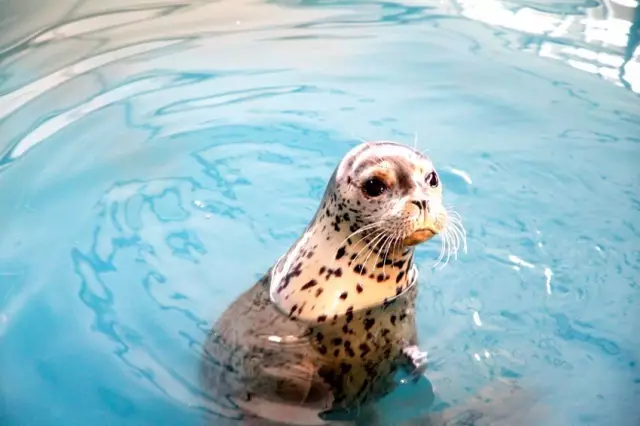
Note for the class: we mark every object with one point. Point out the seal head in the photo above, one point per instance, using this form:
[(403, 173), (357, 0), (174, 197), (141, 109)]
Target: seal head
[(382, 200)]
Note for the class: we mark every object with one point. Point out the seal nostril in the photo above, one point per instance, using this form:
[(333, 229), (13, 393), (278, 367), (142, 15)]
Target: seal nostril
[(421, 204)]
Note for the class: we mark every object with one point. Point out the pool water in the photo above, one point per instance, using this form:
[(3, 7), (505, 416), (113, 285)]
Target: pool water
[(156, 157)]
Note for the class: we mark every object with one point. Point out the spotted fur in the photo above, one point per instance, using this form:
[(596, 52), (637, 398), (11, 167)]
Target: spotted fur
[(354, 264), (326, 325)]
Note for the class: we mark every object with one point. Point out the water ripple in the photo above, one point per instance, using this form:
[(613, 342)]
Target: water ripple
[(157, 158)]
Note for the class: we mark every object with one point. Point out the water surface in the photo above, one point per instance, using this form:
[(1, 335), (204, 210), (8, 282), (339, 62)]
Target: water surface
[(156, 157)]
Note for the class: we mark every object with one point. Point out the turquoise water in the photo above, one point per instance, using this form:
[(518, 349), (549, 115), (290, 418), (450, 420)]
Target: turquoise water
[(156, 157)]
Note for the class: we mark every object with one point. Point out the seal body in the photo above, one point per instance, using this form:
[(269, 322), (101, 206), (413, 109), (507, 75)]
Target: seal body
[(327, 327)]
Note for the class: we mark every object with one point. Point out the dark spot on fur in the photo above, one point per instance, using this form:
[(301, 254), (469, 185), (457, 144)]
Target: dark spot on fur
[(380, 278), (360, 269), (368, 323), (402, 316), (319, 337), (359, 288), (393, 319), (338, 272), (319, 291), (322, 269), (336, 341), (364, 349), (349, 314), (229, 368), (310, 284), (386, 262), (399, 264), (296, 271), (322, 349), (398, 290), (322, 318), (346, 217), (345, 368), (336, 352), (293, 309), (300, 309), (348, 349), (399, 277), (385, 331), (344, 295)]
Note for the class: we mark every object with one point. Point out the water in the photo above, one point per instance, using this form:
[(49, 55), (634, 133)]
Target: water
[(157, 157)]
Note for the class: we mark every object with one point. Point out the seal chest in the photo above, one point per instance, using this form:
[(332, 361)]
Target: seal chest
[(328, 324)]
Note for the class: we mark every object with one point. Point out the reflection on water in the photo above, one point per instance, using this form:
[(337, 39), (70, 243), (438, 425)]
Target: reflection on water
[(599, 38), (157, 156)]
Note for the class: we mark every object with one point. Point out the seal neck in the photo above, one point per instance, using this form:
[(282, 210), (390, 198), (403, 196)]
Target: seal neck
[(331, 272)]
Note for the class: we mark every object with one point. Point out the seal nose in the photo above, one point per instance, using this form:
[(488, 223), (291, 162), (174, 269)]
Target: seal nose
[(421, 204)]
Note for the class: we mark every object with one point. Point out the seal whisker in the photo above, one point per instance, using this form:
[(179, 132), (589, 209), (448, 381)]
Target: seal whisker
[(452, 246), (374, 240), (377, 254), (443, 248), (446, 252), (384, 256), (415, 144), (371, 227), (456, 242), (454, 216), (384, 261), (458, 228), (379, 237), (462, 237), (375, 262), (463, 231)]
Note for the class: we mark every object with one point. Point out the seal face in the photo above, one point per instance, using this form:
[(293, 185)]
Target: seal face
[(383, 199), (329, 324)]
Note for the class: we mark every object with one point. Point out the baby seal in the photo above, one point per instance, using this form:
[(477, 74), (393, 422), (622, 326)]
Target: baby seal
[(326, 328)]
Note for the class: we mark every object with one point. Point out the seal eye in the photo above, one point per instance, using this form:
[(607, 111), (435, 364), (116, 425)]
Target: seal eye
[(374, 187), (432, 179)]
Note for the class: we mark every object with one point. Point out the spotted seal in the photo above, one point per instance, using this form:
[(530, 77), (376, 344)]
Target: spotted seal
[(329, 324)]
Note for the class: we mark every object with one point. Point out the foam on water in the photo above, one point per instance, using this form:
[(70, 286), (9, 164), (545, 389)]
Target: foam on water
[(156, 157)]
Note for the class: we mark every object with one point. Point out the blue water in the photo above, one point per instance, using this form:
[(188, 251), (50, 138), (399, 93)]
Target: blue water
[(157, 157)]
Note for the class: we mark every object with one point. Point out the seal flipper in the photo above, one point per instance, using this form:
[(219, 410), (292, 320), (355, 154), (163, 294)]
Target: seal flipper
[(414, 361)]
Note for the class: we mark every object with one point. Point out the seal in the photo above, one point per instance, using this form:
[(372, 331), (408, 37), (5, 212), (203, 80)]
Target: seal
[(322, 334)]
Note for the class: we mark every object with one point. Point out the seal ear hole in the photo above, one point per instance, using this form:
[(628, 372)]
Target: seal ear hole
[(432, 179), (374, 187)]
